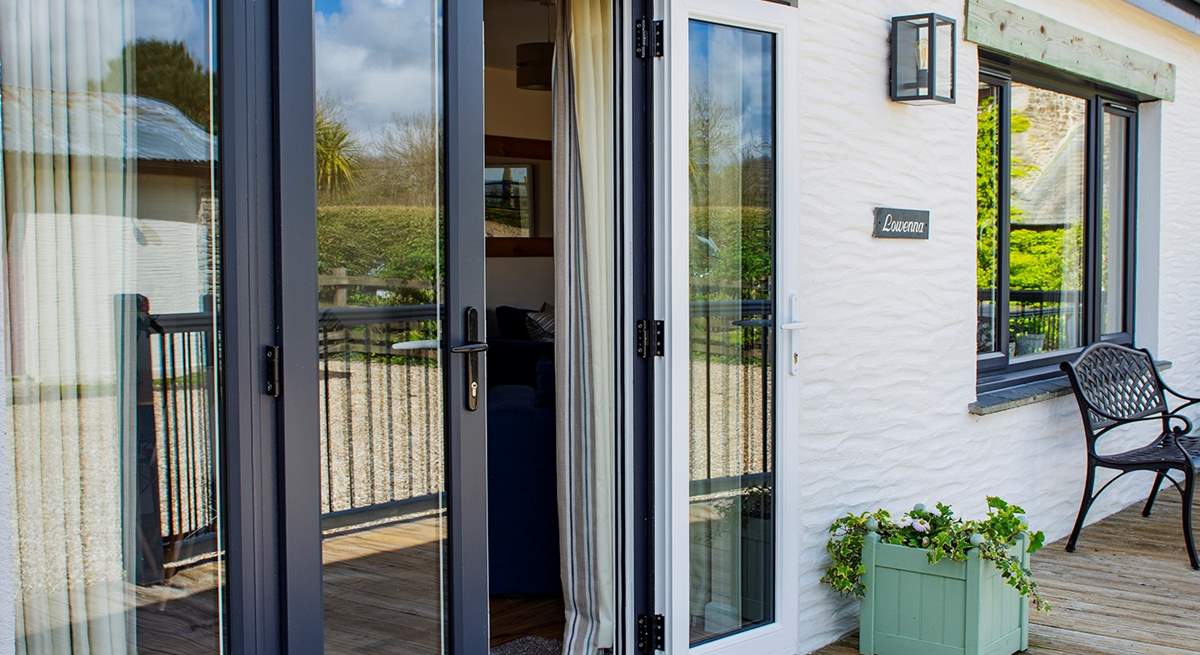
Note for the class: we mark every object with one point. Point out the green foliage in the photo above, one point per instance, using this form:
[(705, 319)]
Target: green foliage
[(166, 71), (337, 151), (381, 241), (943, 535), (1039, 259)]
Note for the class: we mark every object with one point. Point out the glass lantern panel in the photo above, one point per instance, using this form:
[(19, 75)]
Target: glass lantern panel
[(912, 58), (943, 84)]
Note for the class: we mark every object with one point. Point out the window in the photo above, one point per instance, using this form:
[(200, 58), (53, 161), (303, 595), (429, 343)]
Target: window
[(1054, 224)]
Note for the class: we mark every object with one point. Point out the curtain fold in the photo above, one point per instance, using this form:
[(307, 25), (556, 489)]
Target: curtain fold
[(585, 330), (68, 176)]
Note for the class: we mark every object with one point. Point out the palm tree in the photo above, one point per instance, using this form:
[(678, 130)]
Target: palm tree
[(337, 151)]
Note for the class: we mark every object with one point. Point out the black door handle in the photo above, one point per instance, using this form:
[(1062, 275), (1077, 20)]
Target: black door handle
[(472, 349)]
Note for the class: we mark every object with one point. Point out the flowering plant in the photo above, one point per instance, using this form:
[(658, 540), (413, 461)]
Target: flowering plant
[(943, 535)]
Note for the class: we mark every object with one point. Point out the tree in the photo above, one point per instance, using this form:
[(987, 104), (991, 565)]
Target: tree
[(337, 150), (166, 71)]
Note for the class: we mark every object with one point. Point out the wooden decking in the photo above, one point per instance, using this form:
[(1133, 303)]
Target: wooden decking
[(1127, 590), (383, 590)]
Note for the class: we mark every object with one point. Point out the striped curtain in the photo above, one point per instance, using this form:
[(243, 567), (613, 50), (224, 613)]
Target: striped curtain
[(585, 330)]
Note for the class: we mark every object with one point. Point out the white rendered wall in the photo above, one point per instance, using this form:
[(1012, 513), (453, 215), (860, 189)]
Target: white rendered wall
[(888, 358)]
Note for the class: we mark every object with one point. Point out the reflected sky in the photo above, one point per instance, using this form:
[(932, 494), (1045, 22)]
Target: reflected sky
[(175, 20), (374, 61), (738, 78)]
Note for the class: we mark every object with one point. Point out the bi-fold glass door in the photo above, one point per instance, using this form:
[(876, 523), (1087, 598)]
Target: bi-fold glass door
[(387, 244), (733, 345)]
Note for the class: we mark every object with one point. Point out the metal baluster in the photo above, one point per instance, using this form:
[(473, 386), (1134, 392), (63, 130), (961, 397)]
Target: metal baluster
[(189, 431), (429, 484), (391, 416), (324, 363), (347, 335), (369, 335), (410, 471), (174, 396), (165, 462)]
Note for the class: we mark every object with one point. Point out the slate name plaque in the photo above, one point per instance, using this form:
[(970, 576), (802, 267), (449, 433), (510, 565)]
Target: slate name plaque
[(901, 223)]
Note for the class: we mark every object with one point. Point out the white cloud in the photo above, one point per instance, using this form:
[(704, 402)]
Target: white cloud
[(375, 58)]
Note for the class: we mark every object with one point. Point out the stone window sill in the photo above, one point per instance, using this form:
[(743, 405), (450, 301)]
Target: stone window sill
[(1028, 393)]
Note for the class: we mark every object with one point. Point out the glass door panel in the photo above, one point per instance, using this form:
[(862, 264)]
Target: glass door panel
[(383, 387), (731, 163), (731, 355), (111, 463)]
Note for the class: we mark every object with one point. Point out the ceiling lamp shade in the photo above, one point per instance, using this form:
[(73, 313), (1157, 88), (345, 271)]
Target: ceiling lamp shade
[(534, 63)]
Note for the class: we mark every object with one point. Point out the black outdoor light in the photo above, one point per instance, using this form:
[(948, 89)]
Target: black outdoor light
[(924, 58)]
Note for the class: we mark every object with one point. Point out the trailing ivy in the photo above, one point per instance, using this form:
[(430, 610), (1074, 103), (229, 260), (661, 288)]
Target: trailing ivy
[(945, 537)]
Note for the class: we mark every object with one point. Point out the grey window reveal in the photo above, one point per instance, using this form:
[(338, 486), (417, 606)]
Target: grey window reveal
[(1055, 221)]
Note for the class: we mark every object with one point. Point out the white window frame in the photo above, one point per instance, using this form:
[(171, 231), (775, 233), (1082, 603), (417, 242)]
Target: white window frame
[(671, 280)]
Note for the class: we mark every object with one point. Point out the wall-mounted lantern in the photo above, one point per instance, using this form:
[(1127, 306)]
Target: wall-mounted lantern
[(923, 59)]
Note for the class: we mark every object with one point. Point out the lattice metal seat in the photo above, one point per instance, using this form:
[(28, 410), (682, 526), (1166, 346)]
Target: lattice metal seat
[(1117, 386)]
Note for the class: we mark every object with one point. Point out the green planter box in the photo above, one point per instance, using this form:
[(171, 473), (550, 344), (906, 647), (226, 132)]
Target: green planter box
[(913, 607)]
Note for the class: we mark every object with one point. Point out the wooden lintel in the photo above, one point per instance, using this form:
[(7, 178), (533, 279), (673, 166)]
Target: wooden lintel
[(1014, 30)]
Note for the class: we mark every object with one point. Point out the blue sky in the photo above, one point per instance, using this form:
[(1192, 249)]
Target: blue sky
[(329, 6), (175, 20)]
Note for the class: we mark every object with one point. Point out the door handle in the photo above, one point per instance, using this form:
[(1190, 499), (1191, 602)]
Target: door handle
[(792, 327), (472, 348)]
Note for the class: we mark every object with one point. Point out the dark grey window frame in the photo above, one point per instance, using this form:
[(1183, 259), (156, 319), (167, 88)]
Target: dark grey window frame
[(997, 370)]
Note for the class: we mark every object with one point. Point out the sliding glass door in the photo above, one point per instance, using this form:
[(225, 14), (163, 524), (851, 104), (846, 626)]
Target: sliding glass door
[(731, 334)]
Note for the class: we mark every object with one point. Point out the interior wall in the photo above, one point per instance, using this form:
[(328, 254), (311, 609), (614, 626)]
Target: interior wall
[(526, 282)]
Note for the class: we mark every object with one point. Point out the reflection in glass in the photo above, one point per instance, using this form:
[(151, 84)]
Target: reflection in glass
[(987, 220), (1046, 233), (508, 200), (732, 213), (1112, 223), (111, 454), (380, 239)]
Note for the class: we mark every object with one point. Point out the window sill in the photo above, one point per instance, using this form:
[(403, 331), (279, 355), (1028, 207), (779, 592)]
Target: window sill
[(1028, 393)]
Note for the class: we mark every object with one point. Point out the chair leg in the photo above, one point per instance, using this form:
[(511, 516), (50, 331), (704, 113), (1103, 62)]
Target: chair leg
[(1188, 495), (1158, 480), (1084, 506)]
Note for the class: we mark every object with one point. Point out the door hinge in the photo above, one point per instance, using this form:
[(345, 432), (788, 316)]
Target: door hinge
[(648, 38), (271, 355), (650, 338), (651, 633)]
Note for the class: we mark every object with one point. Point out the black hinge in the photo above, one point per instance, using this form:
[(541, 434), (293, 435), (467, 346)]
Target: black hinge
[(647, 38), (651, 633), (271, 356), (650, 338)]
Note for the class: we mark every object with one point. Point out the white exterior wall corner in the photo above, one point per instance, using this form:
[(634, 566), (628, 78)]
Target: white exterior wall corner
[(888, 357)]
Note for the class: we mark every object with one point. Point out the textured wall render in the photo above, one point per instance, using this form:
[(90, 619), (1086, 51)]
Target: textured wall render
[(889, 352)]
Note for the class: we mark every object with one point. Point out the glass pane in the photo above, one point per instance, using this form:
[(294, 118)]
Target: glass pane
[(1049, 150), (1112, 223), (943, 86), (731, 165), (987, 216), (380, 264), (912, 58), (111, 359), (508, 200)]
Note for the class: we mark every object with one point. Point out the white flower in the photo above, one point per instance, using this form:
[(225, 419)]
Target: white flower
[(905, 521), (920, 525)]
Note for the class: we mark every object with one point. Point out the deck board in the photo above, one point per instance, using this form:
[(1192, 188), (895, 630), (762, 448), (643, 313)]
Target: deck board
[(1127, 590)]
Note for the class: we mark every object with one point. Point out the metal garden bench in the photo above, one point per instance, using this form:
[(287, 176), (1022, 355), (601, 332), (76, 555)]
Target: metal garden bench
[(1118, 386)]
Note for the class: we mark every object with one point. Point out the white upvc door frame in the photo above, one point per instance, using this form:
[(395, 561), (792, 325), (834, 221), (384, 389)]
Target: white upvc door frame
[(671, 280)]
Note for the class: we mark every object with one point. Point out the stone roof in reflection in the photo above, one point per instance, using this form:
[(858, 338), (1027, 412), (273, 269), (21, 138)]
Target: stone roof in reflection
[(98, 126)]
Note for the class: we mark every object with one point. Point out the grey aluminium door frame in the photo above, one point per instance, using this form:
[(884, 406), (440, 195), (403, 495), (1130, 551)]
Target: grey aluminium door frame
[(291, 67), (248, 315)]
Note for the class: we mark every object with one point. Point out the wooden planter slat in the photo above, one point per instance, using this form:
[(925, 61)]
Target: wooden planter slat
[(913, 607)]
